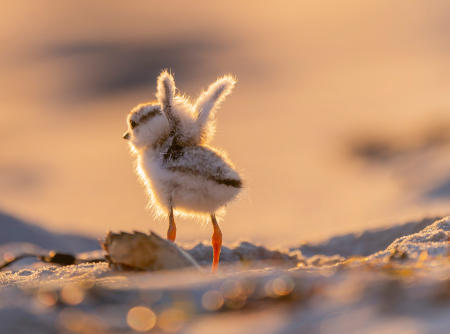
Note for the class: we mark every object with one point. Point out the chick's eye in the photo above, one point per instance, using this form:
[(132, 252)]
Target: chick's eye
[(133, 124)]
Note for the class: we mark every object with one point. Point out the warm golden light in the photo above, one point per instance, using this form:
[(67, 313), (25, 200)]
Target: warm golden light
[(212, 300), (46, 298), (141, 318), (279, 287), (232, 289), (72, 294), (235, 294), (282, 286)]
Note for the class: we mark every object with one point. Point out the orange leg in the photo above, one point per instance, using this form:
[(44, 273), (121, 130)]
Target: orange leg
[(216, 242), (172, 231)]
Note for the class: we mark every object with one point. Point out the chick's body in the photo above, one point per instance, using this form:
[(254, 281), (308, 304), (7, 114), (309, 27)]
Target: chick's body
[(192, 179)]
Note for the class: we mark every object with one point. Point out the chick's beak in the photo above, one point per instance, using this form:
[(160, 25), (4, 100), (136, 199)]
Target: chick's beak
[(126, 135)]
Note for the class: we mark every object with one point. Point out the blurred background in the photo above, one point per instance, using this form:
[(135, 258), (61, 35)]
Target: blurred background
[(340, 120)]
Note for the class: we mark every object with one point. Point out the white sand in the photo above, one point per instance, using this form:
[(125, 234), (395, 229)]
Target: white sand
[(403, 287)]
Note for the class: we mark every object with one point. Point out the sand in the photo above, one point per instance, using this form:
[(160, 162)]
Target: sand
[(342, 285)]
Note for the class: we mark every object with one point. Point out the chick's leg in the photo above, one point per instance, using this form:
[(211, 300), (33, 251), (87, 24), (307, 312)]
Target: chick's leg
[(172, 231), (216, 242)]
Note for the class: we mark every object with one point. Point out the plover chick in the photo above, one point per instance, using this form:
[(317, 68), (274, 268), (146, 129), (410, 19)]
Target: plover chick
[(169, 138)]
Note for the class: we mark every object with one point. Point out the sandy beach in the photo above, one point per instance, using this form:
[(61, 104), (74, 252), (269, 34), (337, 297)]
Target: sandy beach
[(399, 288)]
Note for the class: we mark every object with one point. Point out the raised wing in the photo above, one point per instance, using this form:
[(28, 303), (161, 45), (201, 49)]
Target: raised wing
[(165, 94), (210, 100)]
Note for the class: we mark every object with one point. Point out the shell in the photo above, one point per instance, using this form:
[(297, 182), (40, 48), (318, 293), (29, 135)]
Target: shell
[(140, 251)]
